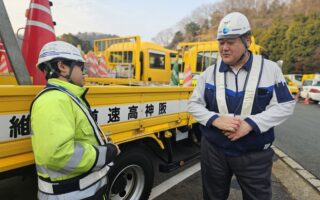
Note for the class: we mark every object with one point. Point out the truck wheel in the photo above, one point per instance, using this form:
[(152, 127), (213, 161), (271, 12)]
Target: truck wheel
[(131, 176)]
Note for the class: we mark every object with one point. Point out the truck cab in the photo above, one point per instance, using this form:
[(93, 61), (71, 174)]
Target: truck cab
[(129, 59), (200, 55)]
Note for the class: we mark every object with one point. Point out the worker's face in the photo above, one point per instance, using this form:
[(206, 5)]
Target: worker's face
[(77, 75), (231, 50)]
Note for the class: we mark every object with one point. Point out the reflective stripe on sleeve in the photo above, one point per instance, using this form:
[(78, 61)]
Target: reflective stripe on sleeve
[(101, 160), (66, 169), (74, 160)]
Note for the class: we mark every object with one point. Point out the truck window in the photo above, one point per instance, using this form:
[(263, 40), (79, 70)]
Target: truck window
[(120, 57), (101, 46), (316, 83), (127, 56), (298, 77), (199, 62), (307, 82), (206, 59), (157, 61)]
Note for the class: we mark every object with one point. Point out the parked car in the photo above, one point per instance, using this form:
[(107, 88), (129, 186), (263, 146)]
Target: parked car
[(314, 92)]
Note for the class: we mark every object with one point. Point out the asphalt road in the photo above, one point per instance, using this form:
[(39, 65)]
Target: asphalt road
[(191, 189), (299, 137)]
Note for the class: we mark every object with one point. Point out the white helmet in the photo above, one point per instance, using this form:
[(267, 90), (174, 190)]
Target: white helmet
[(233, 25), (59, 49)]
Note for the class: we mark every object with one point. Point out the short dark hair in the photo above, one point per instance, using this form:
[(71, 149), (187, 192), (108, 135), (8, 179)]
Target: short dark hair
[(51, 69)]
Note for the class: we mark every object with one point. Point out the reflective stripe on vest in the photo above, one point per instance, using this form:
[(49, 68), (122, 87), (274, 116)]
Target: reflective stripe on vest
[(250, 90), (81, 184)]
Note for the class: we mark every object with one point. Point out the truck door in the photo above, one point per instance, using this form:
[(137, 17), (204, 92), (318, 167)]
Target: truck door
[(157, 66)]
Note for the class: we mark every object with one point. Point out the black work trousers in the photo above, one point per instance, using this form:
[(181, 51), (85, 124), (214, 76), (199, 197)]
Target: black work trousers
[(252, 170)]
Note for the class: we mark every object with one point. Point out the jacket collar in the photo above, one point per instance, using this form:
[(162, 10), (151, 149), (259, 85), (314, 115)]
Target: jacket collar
[(247, 66), (74, 89)]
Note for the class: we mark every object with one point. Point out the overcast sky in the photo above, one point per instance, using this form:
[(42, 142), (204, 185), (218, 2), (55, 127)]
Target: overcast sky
[(121, 17)]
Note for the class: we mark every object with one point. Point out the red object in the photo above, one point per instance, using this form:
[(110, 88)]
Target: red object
[(102, 66), (5, 65), (187, 81), (39, 30), (314, 90), (91, 65)]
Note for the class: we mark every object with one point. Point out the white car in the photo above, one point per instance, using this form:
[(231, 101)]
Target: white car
[(305, 88), (314, 91)]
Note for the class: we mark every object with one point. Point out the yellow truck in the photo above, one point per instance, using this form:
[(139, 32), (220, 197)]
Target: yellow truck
[(200, 55), (132, 62), (141, 120), (293, 87), (7, 78), (309, 76)]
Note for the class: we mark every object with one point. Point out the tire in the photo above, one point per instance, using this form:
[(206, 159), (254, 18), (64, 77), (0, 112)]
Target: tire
[(131, 176)]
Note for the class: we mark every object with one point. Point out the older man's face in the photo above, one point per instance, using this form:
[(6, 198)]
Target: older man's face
[(231, 50)]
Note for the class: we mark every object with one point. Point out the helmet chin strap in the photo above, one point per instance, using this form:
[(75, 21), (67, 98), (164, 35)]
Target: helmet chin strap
[(241, 58), (244, 53), (68, 76)]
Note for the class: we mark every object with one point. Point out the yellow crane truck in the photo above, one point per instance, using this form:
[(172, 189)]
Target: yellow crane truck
[(133, 62), (142, 120)]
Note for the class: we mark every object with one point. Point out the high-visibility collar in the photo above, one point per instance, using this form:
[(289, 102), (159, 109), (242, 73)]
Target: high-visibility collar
[(74, 89), (252, 82)]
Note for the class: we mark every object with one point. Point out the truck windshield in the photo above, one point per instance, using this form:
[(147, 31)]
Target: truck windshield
[(206, 59), (120, 57)]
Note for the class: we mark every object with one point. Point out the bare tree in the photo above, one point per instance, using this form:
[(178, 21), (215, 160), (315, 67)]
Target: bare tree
[(202, 13), (164, 37)]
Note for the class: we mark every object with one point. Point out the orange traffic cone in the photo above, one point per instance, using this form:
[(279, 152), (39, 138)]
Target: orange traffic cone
[(187, 81), (39, 30), (306, 100)]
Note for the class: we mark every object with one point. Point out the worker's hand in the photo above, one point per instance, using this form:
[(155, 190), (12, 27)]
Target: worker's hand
[(242, 131), (227, 123), (112, 152)]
